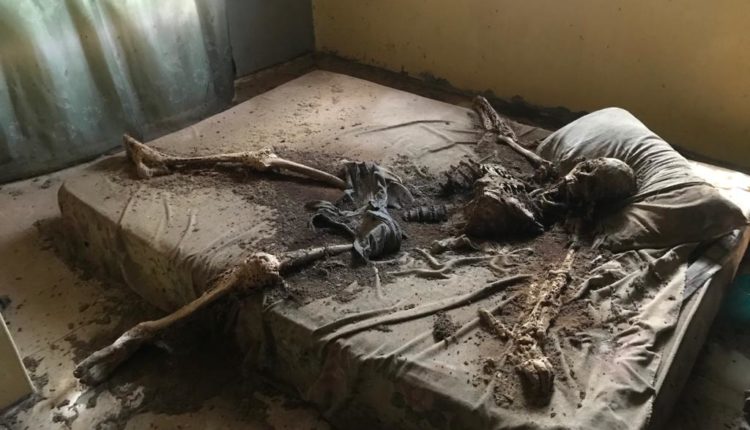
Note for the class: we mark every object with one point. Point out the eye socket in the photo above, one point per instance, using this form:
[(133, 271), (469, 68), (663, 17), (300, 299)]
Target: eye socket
[(587, 167)]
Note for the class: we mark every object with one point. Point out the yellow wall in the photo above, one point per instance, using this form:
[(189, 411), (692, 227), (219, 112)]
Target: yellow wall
[(683, 67)]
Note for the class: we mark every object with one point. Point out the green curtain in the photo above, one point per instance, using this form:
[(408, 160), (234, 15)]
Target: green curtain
[(76, 74)]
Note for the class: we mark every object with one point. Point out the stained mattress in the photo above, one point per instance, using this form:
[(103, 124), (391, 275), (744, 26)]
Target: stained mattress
[(371, 360)]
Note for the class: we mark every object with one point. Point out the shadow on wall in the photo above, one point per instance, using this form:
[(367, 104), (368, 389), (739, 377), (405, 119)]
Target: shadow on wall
[(75, 75)]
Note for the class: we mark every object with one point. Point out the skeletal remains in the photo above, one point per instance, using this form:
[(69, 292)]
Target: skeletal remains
[(258, 270), (149, 162), (499, 205), (525, 340), (502, 206)]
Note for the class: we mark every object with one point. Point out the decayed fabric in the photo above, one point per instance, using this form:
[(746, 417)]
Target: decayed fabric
[(418, 383), (371, 360), (75, 75), (372, 190)]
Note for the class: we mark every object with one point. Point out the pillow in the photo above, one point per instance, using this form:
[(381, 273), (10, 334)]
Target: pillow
[(673, 205)]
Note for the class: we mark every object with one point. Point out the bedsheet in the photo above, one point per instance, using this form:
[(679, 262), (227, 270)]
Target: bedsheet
[(371, 360)]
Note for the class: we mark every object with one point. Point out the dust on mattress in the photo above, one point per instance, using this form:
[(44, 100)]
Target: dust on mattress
[(373, 347)]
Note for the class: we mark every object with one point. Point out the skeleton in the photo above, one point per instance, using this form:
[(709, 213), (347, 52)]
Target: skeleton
[(257, 271), (502, 207), (501, 204), (149, 162), (525, 340), (499, 195)]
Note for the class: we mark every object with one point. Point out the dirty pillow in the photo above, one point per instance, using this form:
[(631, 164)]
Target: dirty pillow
[(673, 205)]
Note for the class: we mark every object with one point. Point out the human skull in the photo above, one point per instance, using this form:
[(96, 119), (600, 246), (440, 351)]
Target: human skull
[(600, 180)]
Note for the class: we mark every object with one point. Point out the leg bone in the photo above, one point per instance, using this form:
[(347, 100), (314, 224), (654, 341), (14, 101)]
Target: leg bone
[(525, 340), (149, 162), (257, 271)]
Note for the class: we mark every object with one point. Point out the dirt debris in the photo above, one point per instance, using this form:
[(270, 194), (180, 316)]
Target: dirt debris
[(184, 370), (342, 280), (443, 327), (187, 368), (46, 184)]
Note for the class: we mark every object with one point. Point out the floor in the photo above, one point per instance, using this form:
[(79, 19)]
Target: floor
[(58, 315)]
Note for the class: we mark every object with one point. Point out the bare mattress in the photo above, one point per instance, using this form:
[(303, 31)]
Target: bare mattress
[(379, 345)]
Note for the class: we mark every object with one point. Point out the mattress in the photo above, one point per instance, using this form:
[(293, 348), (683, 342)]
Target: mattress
[(365, 354)]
